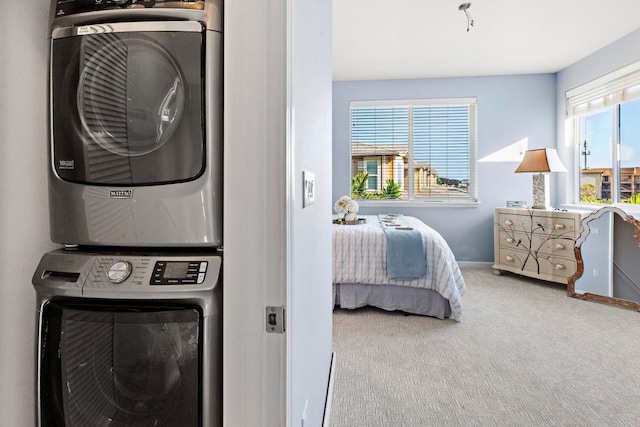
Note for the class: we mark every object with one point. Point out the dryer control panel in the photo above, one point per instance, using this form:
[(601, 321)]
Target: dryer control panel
[(69, 7)]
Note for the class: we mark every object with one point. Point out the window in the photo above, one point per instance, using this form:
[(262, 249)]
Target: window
[(414, 150), (372, 171), (606, 114)]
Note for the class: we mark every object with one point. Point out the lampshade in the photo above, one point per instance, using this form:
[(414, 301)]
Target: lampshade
[(541, 160)]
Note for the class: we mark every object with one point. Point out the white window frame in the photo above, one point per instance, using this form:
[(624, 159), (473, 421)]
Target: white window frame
[(412, 200), (606, 92)]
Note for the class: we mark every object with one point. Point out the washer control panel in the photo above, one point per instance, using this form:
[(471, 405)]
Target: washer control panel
[(128, 274), (128, 271), (179, 272), (119, 271)]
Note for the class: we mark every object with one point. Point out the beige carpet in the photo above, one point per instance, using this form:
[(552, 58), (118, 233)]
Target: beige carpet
[(524, 354)]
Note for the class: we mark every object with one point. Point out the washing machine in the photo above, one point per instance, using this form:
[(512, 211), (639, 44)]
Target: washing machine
[(135, 93), (128, 339)]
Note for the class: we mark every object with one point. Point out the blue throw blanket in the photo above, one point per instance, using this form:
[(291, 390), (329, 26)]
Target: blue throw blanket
[(405, 250)]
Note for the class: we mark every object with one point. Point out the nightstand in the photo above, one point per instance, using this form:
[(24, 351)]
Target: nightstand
[(536, 242)]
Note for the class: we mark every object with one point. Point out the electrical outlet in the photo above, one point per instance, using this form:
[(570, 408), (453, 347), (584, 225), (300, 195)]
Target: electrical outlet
[(595, 230), (596, 272), (308, 188)]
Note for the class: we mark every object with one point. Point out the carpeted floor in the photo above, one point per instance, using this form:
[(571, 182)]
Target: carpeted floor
[(524, 354)]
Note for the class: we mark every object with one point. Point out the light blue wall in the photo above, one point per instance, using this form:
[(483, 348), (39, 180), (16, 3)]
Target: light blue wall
[(618, 54), (510, 108), (597, 249)]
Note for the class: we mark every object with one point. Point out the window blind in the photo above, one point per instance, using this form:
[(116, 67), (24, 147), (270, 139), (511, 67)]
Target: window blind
[(614, 88), (441, 139), (380, 125)]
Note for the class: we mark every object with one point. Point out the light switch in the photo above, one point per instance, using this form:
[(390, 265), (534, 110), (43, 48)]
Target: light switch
[(308, 187)]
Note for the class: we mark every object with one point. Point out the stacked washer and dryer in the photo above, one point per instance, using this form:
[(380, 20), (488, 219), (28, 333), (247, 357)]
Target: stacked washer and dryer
[(129, 311)]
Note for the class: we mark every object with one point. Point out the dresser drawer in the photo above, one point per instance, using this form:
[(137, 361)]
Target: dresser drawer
[(548, 267), (561, 247), (557, 226)]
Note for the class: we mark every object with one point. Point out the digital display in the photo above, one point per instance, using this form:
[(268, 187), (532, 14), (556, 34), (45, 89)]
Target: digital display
[(179, 272), (176, 270)]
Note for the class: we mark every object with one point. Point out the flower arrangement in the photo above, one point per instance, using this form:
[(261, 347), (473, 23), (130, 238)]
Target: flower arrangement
[(347, 206)]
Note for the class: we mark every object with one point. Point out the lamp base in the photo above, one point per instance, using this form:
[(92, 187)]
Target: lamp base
[(540, 191)]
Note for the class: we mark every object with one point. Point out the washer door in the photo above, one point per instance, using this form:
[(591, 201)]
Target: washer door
[(127, 103), (115, 365)]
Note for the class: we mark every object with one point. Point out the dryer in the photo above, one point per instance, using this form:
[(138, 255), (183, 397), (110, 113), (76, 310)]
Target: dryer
[(136, 123)]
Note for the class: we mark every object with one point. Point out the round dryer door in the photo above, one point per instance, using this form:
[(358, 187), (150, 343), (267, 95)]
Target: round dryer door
[(127, 101), (131, 96)]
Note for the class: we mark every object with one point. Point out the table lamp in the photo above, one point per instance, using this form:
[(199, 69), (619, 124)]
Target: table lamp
[(541, 161)]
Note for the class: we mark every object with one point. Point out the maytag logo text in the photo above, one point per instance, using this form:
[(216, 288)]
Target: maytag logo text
[(120, 194)]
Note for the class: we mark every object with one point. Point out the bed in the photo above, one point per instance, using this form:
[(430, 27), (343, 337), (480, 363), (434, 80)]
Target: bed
[(361, 274)]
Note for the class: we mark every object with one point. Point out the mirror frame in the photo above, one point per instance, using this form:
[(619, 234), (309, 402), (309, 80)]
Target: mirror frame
[(584, 233)]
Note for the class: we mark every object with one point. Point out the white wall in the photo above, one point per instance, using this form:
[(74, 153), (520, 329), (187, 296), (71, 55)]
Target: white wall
[(24, 223), (277, 123), (310, 337), (254, 231)]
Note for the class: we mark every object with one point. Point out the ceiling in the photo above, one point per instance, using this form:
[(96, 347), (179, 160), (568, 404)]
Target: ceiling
[(404, 39)]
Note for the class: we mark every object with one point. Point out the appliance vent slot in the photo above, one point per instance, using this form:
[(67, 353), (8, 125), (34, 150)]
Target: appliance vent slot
[(60, 276)]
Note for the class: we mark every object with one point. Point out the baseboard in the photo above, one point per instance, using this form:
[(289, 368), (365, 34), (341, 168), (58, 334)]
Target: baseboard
[(474, 264), (326, 419)]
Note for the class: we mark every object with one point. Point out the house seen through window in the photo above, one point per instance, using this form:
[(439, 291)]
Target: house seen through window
[(414, 151)]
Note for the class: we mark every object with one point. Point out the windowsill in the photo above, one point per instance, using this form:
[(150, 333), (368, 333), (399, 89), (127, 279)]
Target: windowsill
[(415, 204), (592, 207)]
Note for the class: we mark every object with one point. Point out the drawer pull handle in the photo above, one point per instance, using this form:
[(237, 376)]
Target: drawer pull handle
[(510, 240), (508, 222), (559, 226), (560, 267), (510, 258), (560, 246)]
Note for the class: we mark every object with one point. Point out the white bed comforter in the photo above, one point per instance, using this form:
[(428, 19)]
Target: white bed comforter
[(360, 256)]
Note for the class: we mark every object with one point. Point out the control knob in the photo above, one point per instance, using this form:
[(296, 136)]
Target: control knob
[(119, 271)]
